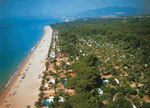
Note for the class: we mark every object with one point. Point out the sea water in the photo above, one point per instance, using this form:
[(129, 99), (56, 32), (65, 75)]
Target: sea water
[(18, 38)]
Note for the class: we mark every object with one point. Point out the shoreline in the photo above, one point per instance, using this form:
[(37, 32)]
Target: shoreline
[(19, 66), (16, 70), (5, 91)]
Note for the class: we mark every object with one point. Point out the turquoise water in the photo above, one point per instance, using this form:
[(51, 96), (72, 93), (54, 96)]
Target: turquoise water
[(17, 38)]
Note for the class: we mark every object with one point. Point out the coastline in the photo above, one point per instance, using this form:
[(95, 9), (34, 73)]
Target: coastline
[(25, 62), (16, 70)]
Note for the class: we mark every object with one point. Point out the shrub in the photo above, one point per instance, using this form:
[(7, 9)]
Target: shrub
[(45, 88), (112, 80), (41, 88), (133, 91), (140, 95), (47, 79), (43, 82), (108, 66), (41, 94)]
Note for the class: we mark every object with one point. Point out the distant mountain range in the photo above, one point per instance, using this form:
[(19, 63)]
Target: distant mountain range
[(114, 11)]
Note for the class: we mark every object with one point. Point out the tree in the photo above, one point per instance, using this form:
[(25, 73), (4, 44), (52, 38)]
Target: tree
[(47, 79), (38, 103), (108, 97), (91, 60), (41, 88), (41, 94), (55, 88), (43, 81), (47, 64), (113, 71), (108, 66), (112, 80), (140, 95), (136, 102), (123, 103), (50, 72), (63, 63), (62, 80), (145, 105), (110, 90)]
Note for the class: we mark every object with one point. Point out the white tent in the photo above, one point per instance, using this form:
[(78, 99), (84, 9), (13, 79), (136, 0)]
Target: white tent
[(51, 99), (77, 58), (125, 67), (117, 81), (134, 106), (113, 99), (61, 99), (100, 91), (52, 81), (68, 64), (46, 85), (58, 50), (80, 51), (105, 81)]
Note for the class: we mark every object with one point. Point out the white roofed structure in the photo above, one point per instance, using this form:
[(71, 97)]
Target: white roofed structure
[(52, 81), (117, 81)]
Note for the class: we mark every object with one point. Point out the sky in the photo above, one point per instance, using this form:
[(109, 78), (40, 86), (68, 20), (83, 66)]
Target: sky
[(60, 8)]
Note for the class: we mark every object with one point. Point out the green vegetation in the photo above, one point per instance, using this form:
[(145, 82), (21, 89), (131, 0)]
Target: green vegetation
[(107, 49)]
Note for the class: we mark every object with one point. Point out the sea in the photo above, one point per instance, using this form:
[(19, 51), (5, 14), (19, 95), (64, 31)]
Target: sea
[(18, 38)]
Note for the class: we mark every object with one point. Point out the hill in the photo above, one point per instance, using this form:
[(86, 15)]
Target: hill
[(115, 11)]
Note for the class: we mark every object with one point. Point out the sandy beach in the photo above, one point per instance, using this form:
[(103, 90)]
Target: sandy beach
[(26, 90)]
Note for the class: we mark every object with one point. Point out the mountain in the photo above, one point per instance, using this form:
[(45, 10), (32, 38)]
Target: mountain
[(115, 11)]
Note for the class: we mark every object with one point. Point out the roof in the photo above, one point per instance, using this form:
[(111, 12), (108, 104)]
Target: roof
[(105, 81), (117, 81), (51, 99), (61, 99), (46, 85), (100, 91), (67, 63), (52, 81)]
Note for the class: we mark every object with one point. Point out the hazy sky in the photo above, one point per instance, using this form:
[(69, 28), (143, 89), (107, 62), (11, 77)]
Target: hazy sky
[(58, 8)]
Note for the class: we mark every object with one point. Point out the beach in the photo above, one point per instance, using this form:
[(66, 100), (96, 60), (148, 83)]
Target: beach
[(24, 87)]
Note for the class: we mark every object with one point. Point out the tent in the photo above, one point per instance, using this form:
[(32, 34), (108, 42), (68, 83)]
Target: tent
[(47, 103), (77, 58), (100, 91), (46, 86), (80, 51), (52, 81), (67, 64), (105, 81), (117, 81), (61, 99)]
